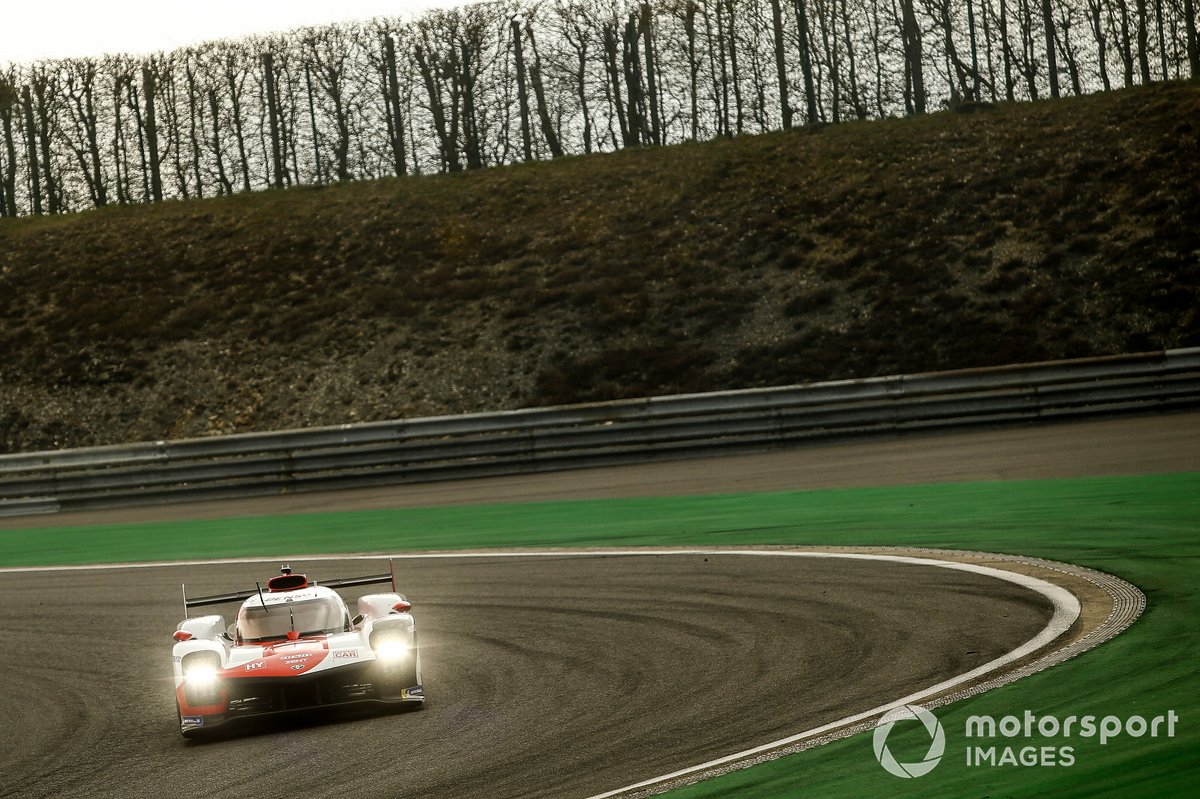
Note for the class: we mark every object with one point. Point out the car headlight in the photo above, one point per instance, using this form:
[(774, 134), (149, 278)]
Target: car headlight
[(391, 649), (201, 678), (201, 674)]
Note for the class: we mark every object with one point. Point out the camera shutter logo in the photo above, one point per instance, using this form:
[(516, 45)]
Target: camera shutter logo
[(937, 744)]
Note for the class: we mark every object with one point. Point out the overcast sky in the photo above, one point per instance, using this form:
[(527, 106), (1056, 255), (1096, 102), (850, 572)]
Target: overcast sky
[(33, 29)]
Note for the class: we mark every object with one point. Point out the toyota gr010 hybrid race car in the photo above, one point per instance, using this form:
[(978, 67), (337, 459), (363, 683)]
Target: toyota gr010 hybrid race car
[(294, 646)]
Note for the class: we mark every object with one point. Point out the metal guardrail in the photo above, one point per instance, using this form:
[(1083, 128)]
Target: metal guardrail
[(581, 436)]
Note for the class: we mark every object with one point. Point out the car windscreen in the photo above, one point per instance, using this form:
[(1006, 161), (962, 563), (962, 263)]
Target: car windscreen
[(308, 617)]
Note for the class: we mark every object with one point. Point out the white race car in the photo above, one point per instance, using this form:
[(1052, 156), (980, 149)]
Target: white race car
[(294, 646)]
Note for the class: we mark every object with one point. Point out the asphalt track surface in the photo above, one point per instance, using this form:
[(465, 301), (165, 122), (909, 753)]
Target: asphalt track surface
[(547, 676), (560, 677)]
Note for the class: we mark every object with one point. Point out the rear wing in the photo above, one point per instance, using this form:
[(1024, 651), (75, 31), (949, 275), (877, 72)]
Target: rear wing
[(239, 596)]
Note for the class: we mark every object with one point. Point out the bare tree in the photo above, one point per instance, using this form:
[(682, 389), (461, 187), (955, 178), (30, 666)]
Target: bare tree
[(913, 59), (651, 61), (1193, 39), (35, 188), (572, 23), (803, 39), (539, 93), (441, 76), (329, 52), (1051, 57), (781, 63), (272, 99), (235, 73), (80, 87), (510, 79), (396, 115), (44, 83), (8, 105), (614, 93), (195, 104), (1143, 40), (522, 80), (150, 126)]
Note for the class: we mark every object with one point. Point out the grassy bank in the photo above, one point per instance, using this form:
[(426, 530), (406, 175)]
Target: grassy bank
[(1017, 232)]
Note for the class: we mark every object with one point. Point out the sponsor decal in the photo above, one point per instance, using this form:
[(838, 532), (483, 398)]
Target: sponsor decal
[(298, 666), (191, 722), (258, 664), (413, 693), (345, 653), (297, 657)]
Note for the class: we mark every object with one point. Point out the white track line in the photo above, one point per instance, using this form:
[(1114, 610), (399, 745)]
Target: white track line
[(1066, 611)]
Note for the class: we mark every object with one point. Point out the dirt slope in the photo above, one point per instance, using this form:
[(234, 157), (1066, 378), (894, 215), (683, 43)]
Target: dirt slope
[(1008, 233)]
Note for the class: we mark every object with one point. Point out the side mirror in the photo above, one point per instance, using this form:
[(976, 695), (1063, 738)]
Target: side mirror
[(403, 606), (357, 620)]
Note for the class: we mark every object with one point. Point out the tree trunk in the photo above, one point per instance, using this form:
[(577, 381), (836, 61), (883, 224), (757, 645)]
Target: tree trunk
[(8, 103), (399, 156), (829, 44), (1096, 24), (195, 126), (1027, 47), (631, 64), (149, 86), (1162, 40), (268, 62), (522, 92), (974, 51), (581, 91), (987, 49), (735, 78), (35, 188), (810, 94), (785, 107), (1125, 43), (1193, 38), (312, 118), (120, 159), (1051, 58), (239, 133), (1006, 49), (470, 128), (860, 110), (539, 92), (135, 103), (612, 43), (689, 29), (1143, 40), (656, 135), (912, 52), (437, 109), (225, 184), (43, 91)]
